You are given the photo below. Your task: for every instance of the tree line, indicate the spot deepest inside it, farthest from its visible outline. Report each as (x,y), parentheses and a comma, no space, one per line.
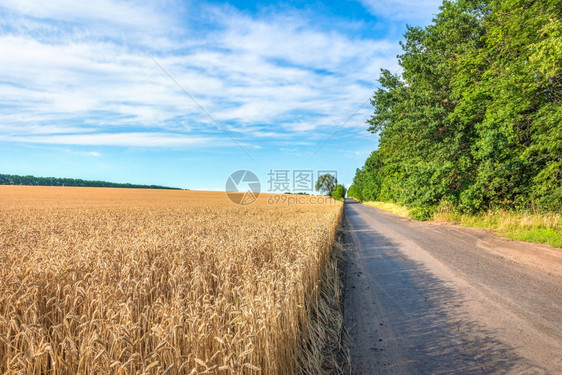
(6,179)
(474,119)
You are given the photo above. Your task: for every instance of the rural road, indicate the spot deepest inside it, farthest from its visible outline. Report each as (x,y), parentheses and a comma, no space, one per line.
(428,298)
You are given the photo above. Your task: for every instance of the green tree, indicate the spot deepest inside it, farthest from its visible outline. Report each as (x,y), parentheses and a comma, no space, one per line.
(353,192)
(326,183)
(475,117)
(426,152)
(339,192)
(519,144)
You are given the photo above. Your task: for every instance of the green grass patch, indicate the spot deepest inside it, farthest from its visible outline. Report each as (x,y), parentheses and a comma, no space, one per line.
(548,236)
(390,207)
(523,226)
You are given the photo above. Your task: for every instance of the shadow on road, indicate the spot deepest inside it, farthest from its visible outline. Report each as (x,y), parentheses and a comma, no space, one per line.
(401,319)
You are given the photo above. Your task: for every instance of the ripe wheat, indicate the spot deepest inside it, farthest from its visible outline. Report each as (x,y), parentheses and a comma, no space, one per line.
(151,282)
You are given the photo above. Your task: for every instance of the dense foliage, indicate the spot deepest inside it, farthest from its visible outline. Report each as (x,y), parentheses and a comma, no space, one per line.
(7,179)
(474,121)
(339,192)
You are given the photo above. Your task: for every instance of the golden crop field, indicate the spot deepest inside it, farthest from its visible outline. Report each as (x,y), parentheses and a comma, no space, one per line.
(126,281)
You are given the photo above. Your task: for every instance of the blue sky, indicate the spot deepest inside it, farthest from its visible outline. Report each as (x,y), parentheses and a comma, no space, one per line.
(82,97)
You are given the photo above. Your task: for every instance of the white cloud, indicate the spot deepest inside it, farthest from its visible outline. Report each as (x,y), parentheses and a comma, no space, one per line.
(39,146)
(94,154)
(411,11)
(132,15)
(94,83)
(115,139)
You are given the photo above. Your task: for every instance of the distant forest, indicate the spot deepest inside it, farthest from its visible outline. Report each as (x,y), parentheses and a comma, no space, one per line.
(6,179)
(474,119)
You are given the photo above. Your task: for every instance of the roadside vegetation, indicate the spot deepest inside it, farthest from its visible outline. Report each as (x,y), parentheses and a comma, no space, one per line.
(339,192)
(523,226)
(470,131)
(394,208)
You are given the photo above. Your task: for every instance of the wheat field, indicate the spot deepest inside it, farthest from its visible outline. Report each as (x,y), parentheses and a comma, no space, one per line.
(126,281)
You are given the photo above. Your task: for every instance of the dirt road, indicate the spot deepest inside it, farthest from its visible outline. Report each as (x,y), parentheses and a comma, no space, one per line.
(426,298)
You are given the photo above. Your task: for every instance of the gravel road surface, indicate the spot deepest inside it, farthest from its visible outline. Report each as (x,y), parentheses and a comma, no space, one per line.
(428,298)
